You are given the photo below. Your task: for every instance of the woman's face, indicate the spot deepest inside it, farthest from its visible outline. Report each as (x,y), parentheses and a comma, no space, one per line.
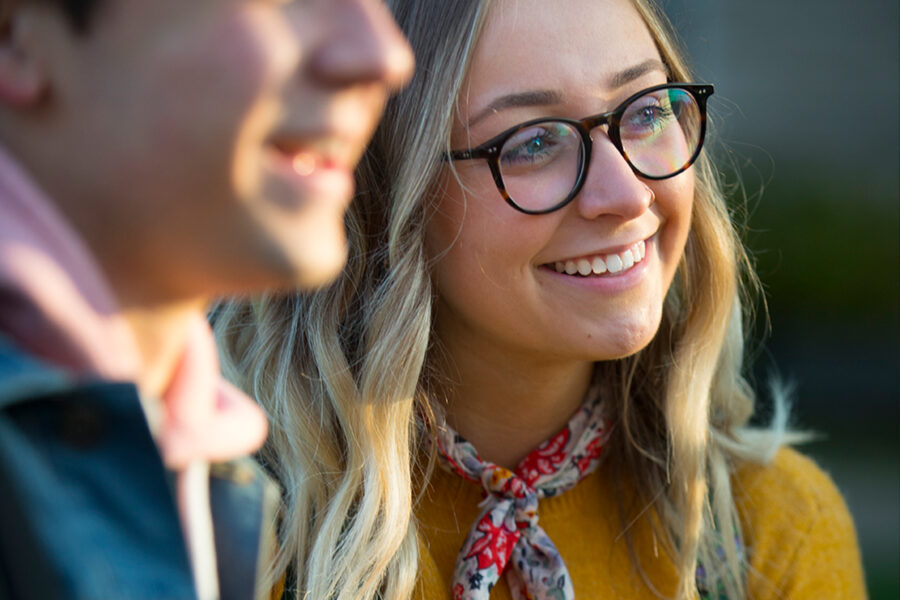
(496,269)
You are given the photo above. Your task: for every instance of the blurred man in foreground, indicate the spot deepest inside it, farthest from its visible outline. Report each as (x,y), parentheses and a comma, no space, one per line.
(155,154)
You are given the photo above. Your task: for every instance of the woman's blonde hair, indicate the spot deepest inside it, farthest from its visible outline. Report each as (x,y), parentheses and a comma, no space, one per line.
(344,372)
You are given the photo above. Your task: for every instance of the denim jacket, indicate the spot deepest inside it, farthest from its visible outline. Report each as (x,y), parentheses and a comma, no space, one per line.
(87,508)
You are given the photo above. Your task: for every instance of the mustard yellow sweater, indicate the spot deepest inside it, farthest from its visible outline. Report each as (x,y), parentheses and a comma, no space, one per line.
(798,535)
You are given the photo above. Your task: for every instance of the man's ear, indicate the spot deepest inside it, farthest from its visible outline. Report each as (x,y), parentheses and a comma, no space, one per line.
(23,79)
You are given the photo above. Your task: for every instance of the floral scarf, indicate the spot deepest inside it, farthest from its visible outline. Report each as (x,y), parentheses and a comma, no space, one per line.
(507,530)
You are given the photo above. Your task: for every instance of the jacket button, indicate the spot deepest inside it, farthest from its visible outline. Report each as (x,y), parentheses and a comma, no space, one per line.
(81,426)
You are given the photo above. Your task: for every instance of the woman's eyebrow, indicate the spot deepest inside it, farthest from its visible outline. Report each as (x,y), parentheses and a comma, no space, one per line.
(628,75)
(529,98)
(551,97)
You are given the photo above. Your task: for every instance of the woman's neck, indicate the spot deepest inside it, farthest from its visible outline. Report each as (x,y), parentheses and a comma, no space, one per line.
(507,406)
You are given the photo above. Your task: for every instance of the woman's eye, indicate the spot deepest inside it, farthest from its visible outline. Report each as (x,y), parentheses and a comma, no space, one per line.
(646,119)
(530,146)
(651,114)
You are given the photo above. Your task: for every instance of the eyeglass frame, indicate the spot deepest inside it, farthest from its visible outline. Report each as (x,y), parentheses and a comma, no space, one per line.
(490,150)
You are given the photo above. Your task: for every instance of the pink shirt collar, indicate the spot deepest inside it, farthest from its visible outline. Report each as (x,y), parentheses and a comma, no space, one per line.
(54,300)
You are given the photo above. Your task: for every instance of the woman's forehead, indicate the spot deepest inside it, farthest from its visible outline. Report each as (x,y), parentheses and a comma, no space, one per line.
(570,48)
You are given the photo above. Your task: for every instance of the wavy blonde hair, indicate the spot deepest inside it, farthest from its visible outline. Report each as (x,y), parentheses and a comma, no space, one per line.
(344,372)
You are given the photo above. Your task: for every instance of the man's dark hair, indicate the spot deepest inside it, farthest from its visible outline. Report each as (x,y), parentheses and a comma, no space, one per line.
(79,12)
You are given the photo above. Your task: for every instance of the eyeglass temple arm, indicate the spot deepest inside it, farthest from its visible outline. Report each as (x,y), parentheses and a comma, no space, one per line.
(457,155)
(470,153)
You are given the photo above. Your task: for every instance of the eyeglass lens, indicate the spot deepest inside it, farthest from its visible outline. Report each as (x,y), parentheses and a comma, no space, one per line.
(659,132)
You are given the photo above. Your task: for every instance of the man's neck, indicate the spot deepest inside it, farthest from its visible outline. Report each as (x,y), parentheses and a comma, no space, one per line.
(160,332)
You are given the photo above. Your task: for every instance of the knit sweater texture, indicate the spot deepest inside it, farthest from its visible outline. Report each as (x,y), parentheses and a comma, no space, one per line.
(799,537)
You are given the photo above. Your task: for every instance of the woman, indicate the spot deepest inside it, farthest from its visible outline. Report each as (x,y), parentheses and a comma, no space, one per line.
(549,306)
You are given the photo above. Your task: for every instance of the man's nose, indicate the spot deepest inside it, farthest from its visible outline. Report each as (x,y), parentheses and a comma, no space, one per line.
(364,45)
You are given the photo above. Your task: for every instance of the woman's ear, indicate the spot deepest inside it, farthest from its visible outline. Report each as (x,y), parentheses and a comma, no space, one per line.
(23,78)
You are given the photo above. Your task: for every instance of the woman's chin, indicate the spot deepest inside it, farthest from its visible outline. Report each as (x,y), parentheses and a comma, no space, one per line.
(625,341)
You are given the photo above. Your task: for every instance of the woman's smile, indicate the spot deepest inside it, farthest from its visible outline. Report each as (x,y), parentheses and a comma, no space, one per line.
(607,273)
(607,263)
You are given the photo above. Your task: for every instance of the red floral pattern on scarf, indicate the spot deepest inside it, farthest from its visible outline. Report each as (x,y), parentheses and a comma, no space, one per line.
(545,459)
(592,452)
(494,546)
(507,531)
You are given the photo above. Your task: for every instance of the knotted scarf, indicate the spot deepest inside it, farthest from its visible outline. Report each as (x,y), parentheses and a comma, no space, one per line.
(507,530)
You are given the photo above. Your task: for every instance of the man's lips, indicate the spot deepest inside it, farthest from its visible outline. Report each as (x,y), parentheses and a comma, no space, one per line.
(315,174)
(307,163)
(307,156)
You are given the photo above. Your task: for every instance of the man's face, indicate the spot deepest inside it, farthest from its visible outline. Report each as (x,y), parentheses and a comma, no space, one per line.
(208,145)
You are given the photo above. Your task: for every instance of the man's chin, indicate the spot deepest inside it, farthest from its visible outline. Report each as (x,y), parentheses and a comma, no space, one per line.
(301,256)
(319,267)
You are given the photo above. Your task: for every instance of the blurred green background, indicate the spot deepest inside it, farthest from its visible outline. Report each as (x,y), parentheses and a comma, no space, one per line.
(807,112)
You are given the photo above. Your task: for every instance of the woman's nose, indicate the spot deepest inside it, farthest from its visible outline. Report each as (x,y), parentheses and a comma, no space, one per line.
(611,187)
(361,43)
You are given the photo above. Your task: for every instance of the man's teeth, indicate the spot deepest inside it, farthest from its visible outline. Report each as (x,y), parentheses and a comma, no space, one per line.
(598,265)
(304,163)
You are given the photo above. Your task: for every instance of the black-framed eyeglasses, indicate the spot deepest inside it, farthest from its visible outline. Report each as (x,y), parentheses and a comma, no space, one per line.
(539,166)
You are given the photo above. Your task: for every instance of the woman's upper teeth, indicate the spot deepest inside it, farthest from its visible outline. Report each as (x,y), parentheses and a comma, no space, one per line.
(603,263)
